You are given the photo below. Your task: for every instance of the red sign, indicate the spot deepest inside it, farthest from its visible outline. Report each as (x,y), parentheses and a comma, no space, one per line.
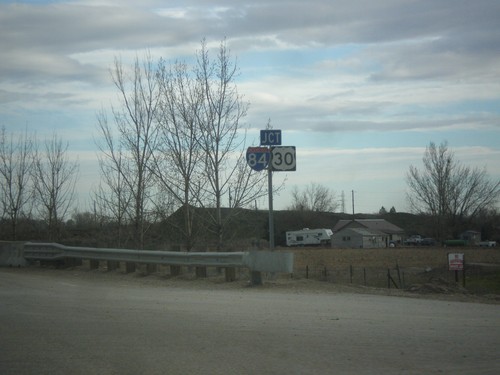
(455,261)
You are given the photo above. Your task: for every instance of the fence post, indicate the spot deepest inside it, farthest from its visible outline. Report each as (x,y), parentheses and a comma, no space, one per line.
(399,272)
(389,279)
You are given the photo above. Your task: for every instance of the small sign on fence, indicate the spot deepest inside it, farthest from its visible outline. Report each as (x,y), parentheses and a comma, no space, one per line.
(456,261)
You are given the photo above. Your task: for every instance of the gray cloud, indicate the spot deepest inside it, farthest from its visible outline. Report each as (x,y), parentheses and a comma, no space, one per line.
(53,32)
(403,41)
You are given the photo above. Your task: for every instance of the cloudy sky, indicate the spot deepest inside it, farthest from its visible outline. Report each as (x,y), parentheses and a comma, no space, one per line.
(359,87)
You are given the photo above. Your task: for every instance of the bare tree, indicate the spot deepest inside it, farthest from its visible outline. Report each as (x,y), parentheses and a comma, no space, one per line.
(112,198)
(179,131)
(314,197)
(448,191)
(222,137)
(137,132)
(16,162)
(178,162)
(54,177)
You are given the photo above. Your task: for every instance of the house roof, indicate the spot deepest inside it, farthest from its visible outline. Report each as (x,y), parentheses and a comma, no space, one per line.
(376,224)
(361,231)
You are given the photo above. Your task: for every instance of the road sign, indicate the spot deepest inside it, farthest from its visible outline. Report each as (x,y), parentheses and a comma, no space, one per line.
(283,158)
(270,137)
(455,261)
(258,158)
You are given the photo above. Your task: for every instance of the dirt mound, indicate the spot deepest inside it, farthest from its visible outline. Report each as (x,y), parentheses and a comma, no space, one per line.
(437,285)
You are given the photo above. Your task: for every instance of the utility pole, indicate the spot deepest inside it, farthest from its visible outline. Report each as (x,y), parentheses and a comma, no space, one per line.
(352,204)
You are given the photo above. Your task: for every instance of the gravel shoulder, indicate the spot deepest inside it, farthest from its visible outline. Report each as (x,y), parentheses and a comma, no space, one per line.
(82,321)
(434,290)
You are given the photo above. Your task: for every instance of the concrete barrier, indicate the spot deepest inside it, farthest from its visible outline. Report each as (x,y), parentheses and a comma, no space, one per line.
(12,254)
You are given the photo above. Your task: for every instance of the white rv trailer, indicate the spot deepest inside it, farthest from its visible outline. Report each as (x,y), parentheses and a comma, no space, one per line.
(308,237)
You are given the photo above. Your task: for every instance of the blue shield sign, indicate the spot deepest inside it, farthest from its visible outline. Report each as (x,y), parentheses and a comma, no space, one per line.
(270,137)
(258,158)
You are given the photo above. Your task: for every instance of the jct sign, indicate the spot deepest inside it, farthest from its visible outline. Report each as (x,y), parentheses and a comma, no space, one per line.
(270,137)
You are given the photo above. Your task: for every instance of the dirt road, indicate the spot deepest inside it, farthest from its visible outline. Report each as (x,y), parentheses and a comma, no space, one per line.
(66,322)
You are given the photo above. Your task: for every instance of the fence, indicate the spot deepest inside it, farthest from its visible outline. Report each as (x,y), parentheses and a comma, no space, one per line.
(389,267)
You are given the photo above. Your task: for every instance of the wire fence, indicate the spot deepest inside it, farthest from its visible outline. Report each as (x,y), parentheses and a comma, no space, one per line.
(481,278)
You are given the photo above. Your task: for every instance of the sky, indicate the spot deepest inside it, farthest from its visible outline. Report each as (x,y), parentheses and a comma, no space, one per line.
(359,87)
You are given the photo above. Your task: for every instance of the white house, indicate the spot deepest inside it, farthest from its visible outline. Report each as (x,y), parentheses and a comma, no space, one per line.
(359,238)
(366,233)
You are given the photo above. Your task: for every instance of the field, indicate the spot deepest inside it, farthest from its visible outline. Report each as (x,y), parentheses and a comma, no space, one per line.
(406,266)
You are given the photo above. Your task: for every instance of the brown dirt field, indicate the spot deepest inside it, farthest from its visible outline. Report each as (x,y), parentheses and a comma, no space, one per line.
(420,269)
(433,257)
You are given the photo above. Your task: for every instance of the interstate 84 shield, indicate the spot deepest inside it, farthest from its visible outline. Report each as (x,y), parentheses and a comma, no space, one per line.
(258,158)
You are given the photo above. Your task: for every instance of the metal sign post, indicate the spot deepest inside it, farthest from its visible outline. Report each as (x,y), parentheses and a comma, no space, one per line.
(275,158)
(456,262)
(271,216)
(272,156)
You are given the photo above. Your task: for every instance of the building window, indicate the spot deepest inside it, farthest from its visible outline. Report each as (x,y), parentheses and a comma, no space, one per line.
(346,238)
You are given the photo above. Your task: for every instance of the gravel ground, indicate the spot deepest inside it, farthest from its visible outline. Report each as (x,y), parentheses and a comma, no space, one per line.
(96,322)
(435,289)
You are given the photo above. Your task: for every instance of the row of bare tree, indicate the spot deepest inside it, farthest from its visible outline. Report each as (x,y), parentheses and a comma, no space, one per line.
(175,140)
(36,179)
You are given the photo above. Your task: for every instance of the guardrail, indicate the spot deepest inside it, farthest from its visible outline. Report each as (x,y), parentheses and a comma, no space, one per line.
(255,261)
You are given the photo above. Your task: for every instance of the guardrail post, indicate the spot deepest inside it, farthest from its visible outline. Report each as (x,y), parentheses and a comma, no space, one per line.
(256,278)
(201,272)
(230,273)
(70,262)
(151,268)
(175,270)
(112,265)
(94,264)
(129,267)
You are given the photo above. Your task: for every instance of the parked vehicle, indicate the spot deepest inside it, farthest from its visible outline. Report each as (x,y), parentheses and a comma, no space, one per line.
(413,240)
(488,243)
(309,237)
(428,242)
